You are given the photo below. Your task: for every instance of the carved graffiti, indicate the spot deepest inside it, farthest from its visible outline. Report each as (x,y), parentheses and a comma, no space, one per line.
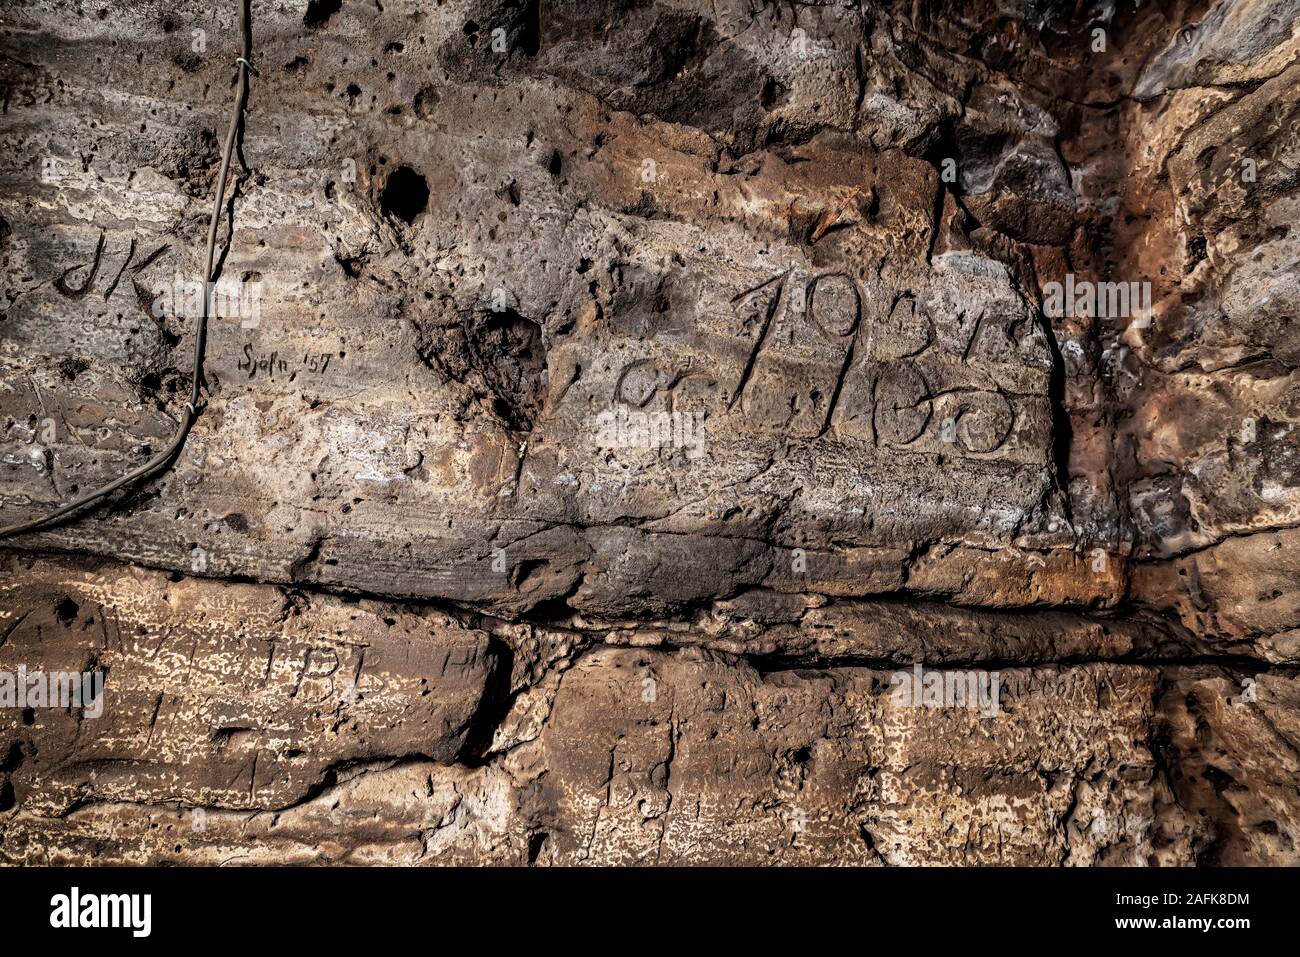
(879,368)
(903,404)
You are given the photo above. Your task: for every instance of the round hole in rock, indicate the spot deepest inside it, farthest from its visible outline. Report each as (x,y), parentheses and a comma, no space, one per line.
(405,194)
(319,12)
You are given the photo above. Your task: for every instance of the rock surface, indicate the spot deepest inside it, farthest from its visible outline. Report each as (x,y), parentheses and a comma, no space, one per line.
(608,408)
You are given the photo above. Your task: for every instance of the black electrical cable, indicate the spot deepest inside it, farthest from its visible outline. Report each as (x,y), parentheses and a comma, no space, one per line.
(163,460)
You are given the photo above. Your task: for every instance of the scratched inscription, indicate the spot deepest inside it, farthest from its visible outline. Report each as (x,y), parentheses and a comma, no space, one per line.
(826,354)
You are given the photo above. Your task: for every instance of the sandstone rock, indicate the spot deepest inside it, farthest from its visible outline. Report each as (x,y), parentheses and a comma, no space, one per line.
(229,695)
(605,402)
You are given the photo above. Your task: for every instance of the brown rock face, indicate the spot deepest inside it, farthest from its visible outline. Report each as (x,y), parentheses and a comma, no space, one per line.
(654,433)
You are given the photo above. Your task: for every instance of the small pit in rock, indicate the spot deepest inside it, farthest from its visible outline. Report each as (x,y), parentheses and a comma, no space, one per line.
(405,195)
(319,12)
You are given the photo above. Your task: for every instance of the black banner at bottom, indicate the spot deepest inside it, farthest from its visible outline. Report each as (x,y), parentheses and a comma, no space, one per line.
(324,907)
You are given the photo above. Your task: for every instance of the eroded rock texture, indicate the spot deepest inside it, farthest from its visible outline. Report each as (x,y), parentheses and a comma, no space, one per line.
(615,398)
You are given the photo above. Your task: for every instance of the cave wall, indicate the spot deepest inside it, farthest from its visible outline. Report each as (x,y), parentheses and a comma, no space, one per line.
(416,590)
